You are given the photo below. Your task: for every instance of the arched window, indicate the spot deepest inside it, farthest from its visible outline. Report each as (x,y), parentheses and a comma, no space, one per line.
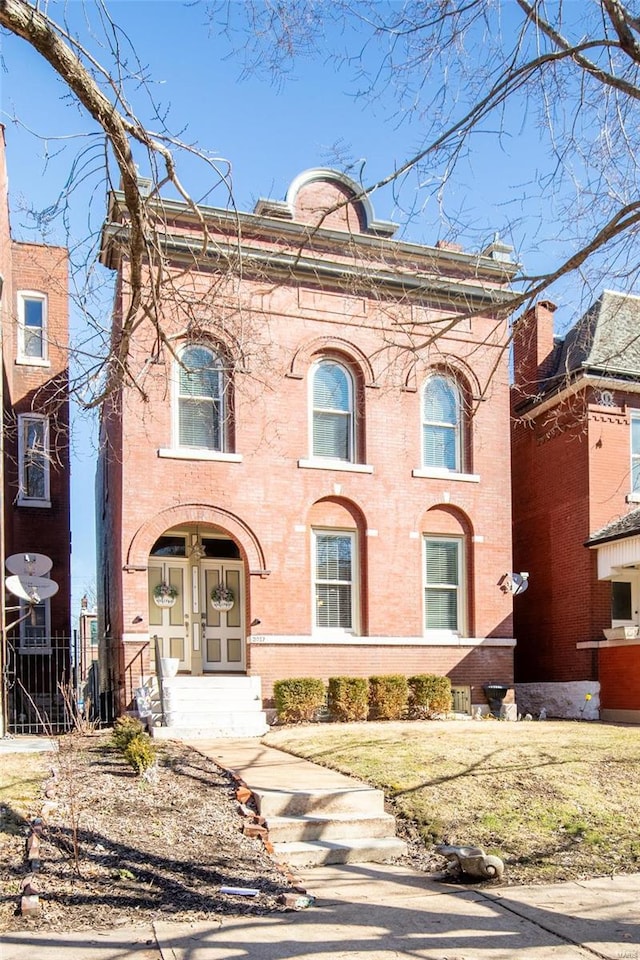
(333,421)
(201,399)
(441,424)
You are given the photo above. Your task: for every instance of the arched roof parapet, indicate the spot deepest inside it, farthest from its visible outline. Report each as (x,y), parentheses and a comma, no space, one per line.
(304,355)
(198,513)
(355,192)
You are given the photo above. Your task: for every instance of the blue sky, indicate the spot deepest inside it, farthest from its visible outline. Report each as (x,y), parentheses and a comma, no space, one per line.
(267,131)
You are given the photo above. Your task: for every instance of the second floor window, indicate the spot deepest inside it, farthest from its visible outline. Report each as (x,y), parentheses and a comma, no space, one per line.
(32,323)
(201,400)
(441,440)
(333,422)
(635,453)
(33,459)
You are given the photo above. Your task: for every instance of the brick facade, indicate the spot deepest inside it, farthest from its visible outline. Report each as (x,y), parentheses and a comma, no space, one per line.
(315,285)
(37,387)
(571,463)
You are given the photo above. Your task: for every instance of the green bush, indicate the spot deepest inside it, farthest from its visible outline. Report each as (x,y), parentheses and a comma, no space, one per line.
(388,697)
(298,698)
(429,695)
(348,698)
(124,730)
(140,753)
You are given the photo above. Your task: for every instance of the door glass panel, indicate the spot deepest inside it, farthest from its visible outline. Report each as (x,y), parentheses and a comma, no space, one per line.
(176,612)
(212,578)
(233,582)
(234,650)
(213,650)
(155,613)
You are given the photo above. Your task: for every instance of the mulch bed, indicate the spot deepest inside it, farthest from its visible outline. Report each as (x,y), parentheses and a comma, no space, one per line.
(148,849)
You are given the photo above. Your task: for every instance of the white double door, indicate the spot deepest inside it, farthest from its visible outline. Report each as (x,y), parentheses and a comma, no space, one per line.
(191,630)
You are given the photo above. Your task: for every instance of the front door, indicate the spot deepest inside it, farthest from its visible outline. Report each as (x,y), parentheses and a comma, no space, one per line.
(169,618)
(223,636)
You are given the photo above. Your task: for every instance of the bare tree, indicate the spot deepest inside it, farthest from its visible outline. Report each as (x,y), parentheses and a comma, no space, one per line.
(462,71)
(118,137)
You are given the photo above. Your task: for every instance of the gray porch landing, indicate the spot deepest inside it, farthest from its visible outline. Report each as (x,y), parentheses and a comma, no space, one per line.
(216,706)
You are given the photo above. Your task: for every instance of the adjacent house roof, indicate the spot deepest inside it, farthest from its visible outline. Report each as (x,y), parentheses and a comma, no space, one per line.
(627,526)
(606,338)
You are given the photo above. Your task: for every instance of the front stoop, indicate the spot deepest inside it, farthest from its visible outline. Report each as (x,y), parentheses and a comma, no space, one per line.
(206,707)
(324,826)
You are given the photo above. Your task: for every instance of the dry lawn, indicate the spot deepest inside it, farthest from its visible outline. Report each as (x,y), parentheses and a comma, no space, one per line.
(556,800)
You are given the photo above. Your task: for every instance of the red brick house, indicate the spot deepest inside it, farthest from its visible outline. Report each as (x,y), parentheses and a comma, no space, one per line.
(35,467)
(576,478)
(325,432)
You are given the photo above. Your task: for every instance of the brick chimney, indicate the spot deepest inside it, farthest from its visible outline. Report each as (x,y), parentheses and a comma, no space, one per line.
(533,348)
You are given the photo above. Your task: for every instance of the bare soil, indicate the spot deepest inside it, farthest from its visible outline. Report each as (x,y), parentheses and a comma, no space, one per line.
(147,849)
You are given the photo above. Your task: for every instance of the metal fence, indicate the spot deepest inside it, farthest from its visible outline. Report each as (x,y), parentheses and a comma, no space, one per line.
(36,674)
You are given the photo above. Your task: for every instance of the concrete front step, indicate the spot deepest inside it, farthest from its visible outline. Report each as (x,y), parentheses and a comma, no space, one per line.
(365,801)
(222,727)
(335,827)
(356,850)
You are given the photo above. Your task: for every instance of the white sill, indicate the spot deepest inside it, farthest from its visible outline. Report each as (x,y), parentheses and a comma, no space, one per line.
(32,362)
(185,453)
(317,463)
(40,504)
(431,473)
(633,497)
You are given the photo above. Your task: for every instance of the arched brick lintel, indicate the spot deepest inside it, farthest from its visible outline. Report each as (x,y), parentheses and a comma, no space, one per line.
(188,513)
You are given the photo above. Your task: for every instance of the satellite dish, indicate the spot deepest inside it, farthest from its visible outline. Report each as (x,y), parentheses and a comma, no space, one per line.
(28,564)
(31,589)
(519,583)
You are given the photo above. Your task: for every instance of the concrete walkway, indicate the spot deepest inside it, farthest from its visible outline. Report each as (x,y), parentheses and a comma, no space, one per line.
(374,911)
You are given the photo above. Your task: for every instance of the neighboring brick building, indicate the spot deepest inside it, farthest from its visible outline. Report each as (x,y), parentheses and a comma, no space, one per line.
(576,471)
(35,463)
(348,482)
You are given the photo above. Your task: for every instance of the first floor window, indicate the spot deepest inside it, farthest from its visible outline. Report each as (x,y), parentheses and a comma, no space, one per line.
(334,564)
(443,583)
(34,627)
(33,455)
(32,311)
(621,602)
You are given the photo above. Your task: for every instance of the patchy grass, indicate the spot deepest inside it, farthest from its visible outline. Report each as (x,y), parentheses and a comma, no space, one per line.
(556,800)
(21,782)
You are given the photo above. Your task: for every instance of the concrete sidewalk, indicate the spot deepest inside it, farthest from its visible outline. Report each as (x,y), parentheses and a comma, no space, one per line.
(373,911)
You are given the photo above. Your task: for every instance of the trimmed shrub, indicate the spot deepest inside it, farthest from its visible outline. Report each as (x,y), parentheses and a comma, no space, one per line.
(348,698)
(429,695)
(124,730)
(388,697)
(298,698)
(140,753)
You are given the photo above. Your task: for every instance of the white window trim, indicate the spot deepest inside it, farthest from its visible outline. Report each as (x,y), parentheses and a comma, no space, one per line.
(459,446)
(198,453)
(327,633)
(22,358)
(631,578)
(634,494)
(23,500)
(461,593)
(34,648)
(313,459)
(177,450)
(440,473)
(320,463)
